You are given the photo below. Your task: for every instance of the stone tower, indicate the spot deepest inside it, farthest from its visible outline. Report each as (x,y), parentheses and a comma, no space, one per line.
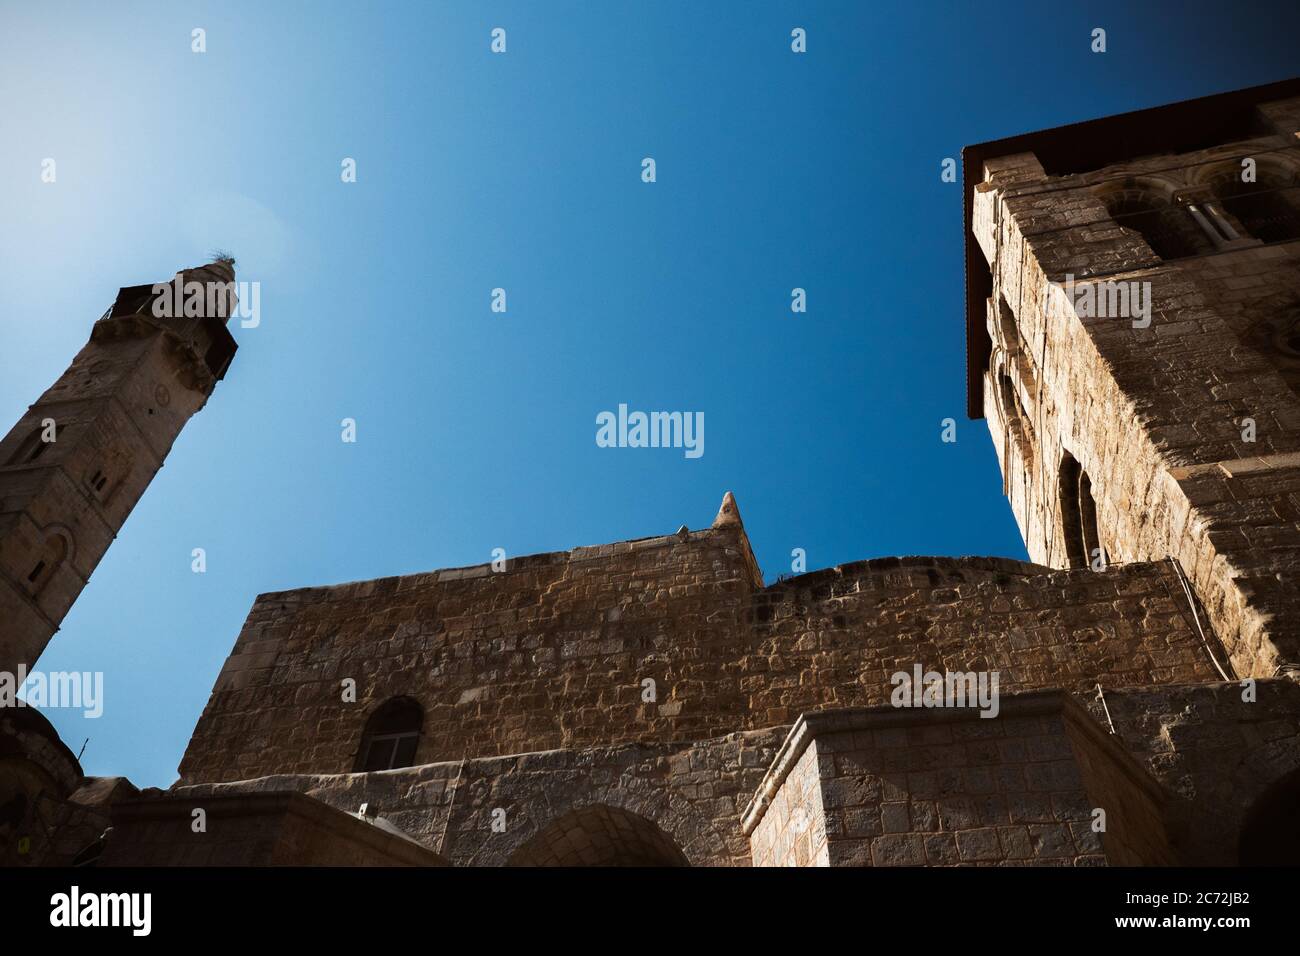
(1133,333)
(76,463)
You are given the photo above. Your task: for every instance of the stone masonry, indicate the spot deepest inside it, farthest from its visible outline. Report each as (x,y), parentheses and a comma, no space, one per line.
(553,651)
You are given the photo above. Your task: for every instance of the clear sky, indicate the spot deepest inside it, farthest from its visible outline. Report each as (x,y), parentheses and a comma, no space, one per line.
(476,430)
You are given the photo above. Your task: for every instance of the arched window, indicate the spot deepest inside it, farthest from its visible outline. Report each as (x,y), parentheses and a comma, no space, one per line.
(1019,429)
(104,477)
(1169,230)
(391,736)
(1267,209)
(1012,408)
(1270,835)
(1007,326)
(1079,524)
(34,445)
(52,554)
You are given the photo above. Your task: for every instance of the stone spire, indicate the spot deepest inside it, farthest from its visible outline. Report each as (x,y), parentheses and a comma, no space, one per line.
(728,514)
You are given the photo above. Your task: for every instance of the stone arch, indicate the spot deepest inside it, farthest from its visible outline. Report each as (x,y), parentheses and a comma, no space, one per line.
(1019,429)
(1148,206)
(105,474)
(1078,509)
(599,835)
(54,551)
(32,447)
(537,790)
(1276,167)
(1265,210)
(1234,797)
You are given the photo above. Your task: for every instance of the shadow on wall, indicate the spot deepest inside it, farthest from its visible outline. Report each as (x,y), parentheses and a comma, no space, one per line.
(1270,835)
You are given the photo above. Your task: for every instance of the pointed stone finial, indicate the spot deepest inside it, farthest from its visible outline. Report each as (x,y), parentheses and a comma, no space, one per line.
(683,532)
(728,514)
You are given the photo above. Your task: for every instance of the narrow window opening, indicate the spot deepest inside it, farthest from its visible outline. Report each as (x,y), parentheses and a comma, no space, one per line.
(1094,553)
(54,552)
(33,446)
(1080,526)
(391,736)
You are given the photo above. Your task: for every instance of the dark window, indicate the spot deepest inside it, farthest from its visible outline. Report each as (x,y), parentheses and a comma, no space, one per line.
(1088,521)
(391,736)
(1015,411)
(33,447)
(1265,209)
(1270,835)
(1078,515)
(1169,230)
(52,555)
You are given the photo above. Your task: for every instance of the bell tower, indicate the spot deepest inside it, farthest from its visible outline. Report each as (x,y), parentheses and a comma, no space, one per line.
(1133,339)
(79,459)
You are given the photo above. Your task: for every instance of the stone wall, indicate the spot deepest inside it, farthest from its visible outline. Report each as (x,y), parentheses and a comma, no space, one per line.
(554,652)
(947,787)
(1178,779)
(685,798)
(793,825)
(252,829)
(1216,751)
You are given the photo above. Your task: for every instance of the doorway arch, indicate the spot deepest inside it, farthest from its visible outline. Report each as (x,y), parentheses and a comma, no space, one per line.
(599,835)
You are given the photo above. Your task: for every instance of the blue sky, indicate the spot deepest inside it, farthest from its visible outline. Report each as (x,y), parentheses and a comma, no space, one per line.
(476,430)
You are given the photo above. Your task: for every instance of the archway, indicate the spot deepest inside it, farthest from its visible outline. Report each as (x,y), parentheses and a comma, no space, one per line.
(599,835)
(1168,229)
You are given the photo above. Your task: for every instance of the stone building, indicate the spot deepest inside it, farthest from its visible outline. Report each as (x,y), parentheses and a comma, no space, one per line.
(1133,332)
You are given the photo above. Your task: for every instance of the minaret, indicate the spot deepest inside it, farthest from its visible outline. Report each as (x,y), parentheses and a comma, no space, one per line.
(76,463)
